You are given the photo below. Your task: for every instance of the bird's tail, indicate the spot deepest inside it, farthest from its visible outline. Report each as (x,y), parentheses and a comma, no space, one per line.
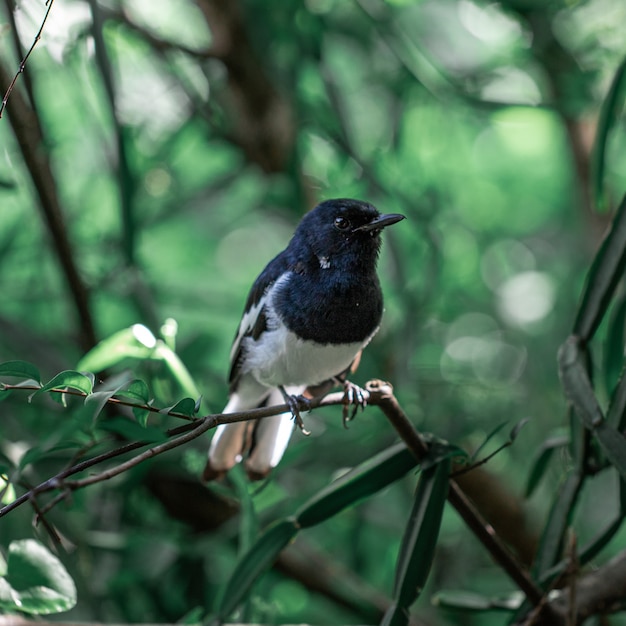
(264,441)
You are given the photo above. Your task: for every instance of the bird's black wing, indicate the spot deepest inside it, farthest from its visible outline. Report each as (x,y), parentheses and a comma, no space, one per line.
(254,320)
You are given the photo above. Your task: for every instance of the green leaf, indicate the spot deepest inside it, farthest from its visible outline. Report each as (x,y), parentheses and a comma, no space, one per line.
(558,521)
(136,342)
(36,581)
(7,491)
(95,402)
(488,438)
(580,393)
(20,369)
(34,454)
(517,429)
(258,559)
(599,542)
(616,413)
(606,271)
(613,348)
(186,406)
(135,390)
(613,445)
(70,379)
(609,115)
(360,482)
(542,460)
(576,383)
(420,538)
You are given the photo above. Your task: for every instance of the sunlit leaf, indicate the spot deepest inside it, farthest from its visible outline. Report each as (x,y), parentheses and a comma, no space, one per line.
(256,561)
(169,330)
(7,491)
(70,379)
(36,581)
(20,369)
(360,482)
(125,344)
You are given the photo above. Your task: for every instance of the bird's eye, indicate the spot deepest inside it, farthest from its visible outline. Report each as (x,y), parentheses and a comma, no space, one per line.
(342,223)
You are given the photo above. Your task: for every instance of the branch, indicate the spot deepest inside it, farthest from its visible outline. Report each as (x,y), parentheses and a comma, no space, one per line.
(181,435)
(22,66)
(29,135)
(597,593)
(464,507)
(261,119)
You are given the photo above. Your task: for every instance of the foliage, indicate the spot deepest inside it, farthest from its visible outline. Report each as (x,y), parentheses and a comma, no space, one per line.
(156,155)
(34,581)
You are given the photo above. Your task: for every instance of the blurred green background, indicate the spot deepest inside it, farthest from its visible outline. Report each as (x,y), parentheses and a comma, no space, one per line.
(155,155)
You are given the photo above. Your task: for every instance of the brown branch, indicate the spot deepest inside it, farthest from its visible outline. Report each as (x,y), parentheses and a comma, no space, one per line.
(182,434)
(29,135)
(261,119)
(321,573)
(464,507)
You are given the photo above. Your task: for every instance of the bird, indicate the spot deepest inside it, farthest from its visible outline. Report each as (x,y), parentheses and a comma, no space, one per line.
(308,316)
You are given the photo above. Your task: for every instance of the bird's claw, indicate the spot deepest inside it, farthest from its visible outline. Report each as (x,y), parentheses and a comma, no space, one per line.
(352,395)
(294,402)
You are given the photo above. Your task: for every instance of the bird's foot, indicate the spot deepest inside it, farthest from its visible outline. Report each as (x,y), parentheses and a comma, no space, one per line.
(352,395)
(294,403)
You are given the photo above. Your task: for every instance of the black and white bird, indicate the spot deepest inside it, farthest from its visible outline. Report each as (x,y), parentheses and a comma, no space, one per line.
(308,316)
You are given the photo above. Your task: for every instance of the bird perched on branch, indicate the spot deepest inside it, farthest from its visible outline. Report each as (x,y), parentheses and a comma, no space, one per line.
(308,316)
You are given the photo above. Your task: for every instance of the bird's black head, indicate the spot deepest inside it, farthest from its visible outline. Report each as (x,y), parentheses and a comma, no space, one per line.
(342,230)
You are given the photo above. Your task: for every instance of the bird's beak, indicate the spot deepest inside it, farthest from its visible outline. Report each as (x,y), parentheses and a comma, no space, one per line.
(381,222)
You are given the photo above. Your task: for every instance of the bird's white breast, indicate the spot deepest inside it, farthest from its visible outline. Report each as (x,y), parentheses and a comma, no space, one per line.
(281,358)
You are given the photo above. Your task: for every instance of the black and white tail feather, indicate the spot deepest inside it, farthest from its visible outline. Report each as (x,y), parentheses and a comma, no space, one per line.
(308,316)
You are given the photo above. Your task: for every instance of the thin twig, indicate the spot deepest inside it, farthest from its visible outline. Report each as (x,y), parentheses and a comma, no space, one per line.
(483,461)
(113,400)
(183,434)
(22,66)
